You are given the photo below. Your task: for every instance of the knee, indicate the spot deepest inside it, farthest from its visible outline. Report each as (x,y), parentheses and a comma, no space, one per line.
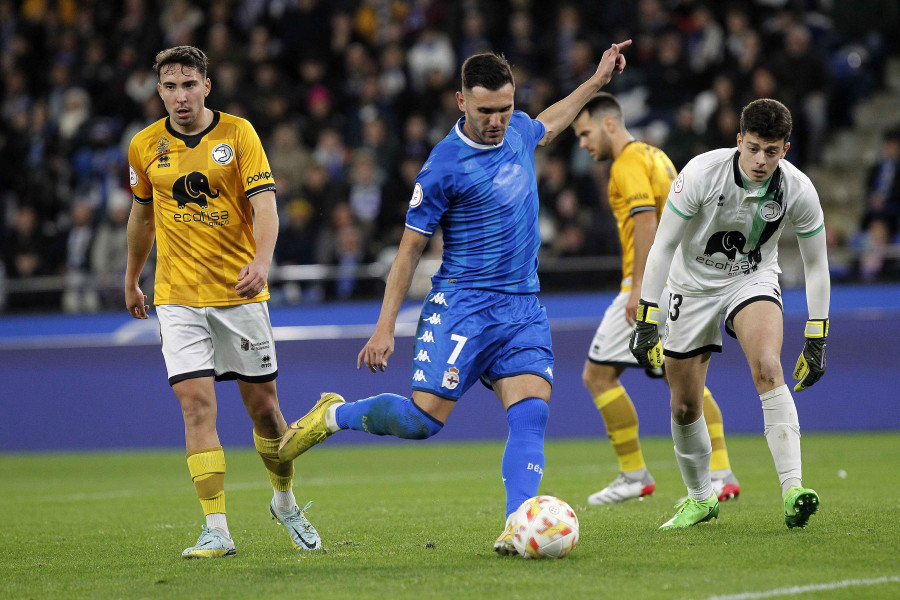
(767,372)
(198,412)
(684,410)
(264,409)
(598,379)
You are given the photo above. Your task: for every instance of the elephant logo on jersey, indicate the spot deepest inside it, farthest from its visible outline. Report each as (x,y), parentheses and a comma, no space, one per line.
(193,188)
(728,243)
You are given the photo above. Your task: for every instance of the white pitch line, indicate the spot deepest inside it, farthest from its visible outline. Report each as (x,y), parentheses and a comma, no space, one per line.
(802,589)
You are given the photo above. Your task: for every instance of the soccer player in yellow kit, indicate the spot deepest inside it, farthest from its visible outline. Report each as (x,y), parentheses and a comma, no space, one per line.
(203,189)
(639,181)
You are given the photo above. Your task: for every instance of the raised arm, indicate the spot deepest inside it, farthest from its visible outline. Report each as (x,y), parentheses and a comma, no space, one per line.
(380,346)
(561,114)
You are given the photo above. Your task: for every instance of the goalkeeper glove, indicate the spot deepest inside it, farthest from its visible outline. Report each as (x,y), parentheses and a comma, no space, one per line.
(811,364)
(645,343)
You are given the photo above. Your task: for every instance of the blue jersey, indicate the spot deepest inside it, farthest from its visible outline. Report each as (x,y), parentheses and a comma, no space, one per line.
(484,197)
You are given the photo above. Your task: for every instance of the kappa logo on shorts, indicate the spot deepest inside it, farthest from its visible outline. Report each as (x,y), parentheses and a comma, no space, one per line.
(438,298)
(549,371)
(451,378)
(423,356)
(427,337)
(434,319)
(419,376)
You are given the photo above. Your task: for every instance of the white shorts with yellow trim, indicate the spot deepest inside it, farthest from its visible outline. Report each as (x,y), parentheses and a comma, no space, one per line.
(225,342)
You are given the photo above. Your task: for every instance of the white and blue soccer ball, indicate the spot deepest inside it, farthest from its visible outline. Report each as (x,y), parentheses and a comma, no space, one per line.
(544,527)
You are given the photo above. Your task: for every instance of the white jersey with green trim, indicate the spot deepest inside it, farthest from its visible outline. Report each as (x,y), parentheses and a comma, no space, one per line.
(734,224)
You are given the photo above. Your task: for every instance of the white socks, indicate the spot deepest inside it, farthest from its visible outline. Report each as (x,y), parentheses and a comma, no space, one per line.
(218,521)
(783,435)
(285,500)
(693,451)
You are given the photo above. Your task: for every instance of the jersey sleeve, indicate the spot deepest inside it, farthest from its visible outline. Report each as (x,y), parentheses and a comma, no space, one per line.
(255,171)
(429,200)
(141,188)
(685,196)
(532,130)
(629,175)
(806,213)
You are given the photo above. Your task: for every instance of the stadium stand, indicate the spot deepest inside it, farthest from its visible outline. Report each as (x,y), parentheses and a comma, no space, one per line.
(349,97)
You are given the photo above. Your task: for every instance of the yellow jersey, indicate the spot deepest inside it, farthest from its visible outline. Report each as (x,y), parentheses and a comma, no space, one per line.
(200,187)
(639,180)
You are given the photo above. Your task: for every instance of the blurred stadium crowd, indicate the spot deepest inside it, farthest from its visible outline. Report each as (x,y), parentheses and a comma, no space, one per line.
(349,96)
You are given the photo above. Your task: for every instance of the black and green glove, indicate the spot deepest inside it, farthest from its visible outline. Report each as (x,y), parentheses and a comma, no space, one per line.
(645,343)
(811,364)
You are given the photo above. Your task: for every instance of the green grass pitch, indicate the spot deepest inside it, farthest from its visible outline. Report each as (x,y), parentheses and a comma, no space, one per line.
(417,520)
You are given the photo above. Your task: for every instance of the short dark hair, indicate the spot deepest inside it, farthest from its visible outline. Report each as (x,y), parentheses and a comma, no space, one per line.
(186,56)
(605,104)
(767,118)
(487,70)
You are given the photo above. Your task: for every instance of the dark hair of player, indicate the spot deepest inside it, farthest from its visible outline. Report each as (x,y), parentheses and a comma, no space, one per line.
(488,70)
(186,56)
(605,105)
(769,119)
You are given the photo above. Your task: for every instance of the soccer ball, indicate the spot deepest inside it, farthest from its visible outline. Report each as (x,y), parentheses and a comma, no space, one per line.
(544,527)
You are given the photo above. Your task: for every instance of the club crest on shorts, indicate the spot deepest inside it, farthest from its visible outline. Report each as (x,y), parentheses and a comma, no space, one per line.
(451,378)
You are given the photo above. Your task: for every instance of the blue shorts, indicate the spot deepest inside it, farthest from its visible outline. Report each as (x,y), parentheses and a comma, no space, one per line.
(466,334)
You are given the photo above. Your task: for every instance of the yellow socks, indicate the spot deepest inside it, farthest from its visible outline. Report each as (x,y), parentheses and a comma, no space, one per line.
(280,474)
(719,460)
(621,423)
(207,467)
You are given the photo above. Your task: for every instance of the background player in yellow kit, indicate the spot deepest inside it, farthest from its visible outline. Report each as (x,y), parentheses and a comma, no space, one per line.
(640,177)
(203,189)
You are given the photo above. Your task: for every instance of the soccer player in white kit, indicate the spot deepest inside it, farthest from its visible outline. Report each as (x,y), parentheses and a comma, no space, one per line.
(727,210)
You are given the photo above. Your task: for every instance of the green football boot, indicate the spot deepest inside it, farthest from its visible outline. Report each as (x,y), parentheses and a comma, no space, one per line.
(309,430)
(691,511)
(800,504)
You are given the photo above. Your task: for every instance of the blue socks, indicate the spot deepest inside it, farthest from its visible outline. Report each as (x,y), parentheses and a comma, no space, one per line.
(387,414)
(523,459)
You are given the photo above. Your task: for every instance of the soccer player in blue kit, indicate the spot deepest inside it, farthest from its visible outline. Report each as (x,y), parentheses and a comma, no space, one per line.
(481,319)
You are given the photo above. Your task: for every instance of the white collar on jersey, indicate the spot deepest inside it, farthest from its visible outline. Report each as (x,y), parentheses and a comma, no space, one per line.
(470,142)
